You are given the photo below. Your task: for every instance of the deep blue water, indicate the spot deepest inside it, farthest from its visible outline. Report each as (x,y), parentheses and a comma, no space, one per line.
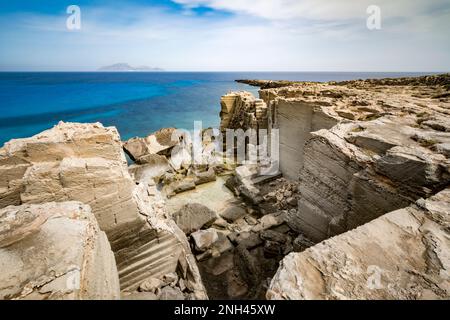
(136,103)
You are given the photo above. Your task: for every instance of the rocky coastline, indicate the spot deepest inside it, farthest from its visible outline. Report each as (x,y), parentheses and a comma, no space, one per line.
(357,208)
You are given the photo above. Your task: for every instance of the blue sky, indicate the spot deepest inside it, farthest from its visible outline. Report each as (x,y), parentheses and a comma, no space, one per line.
(226,35)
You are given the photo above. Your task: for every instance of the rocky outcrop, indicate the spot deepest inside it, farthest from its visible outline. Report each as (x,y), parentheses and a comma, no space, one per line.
(401,255)
(55,251)
(193,217)
(360,149)
(79,162)
(241,110)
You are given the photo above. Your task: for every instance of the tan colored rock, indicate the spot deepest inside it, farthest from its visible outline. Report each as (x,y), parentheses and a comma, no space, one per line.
(85,162)
(55,251)
(159,142)
(204,239)
(193,217)
(401,255)
(154,168)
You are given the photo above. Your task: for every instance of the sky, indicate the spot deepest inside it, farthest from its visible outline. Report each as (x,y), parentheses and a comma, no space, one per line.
(226,35)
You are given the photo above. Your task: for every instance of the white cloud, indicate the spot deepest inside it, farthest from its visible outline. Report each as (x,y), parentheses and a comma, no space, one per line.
(284,35)
(314,9)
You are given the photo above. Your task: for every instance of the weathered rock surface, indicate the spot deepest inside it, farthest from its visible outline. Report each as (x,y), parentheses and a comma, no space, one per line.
(193,217)
(160,142)
(86,163)
(401,255)
(361,148)
(204,239)
(55,251)
(71,162)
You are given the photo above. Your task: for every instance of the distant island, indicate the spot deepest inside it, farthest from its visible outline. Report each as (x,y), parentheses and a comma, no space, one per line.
(127,67)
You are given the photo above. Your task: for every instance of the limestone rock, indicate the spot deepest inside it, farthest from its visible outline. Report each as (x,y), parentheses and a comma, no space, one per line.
(151,285)
(204,177)
(204,239)
(159,142)
(270,220)
(170,293)
(401,255)
(193,216)
(55,251)
(233,213)
(154,168)
(71,162)
(85,162)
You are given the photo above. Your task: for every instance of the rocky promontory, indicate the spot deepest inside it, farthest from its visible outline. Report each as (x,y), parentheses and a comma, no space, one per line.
(350,201)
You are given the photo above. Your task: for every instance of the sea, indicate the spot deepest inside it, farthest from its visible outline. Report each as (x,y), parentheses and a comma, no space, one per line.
(137,103)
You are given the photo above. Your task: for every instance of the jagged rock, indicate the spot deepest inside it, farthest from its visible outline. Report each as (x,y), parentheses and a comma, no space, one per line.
(204,177)
(159,142)
(301,243)
(204,239)
(154,168)
(147,296)
(220,223)
(151,285)
(170,279)
(171,293)
(241,110)
(248,240)
(233,213)
(180,186)
(80,162)
(223,244)
(270,220)
(401,255)
(55,251)
(274,236)
(362,148)
(193,216)
(180,158)
(85,162)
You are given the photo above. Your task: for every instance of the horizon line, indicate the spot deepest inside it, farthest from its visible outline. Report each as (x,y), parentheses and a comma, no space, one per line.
(222,71)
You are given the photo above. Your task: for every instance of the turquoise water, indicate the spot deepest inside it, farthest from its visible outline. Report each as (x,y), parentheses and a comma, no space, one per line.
(136,103)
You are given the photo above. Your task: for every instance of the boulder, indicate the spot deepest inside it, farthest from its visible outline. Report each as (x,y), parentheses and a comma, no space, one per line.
(248,240)
(270,220)
(159,142)
(233,213)
(401,255)
(152,285)
(204,176)
(55,251)
(153,169)
(86,163)
(274,236)
(301,243)
(204,239)
(193,216)
(146,296)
